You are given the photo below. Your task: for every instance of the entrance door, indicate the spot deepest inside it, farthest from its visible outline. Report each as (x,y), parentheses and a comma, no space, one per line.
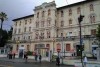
(42,52)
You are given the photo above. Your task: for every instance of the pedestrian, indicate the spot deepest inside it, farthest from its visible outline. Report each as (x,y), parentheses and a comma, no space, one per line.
(85,60)
(14,56)
(57,61)
(24,55)
(40,57)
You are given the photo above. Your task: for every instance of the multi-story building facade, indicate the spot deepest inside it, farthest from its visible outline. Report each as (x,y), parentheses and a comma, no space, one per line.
(52,28)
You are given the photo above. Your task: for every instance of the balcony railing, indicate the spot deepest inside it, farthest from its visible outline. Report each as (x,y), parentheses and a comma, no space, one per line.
(68,38)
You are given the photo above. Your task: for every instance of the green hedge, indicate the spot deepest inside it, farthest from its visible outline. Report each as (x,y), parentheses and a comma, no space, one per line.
(29,53)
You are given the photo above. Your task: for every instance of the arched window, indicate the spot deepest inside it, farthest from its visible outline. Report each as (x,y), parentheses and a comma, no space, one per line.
(43,14)
(37,35)
(37,24)
(25,22)
(70,12)
(78,10)
(91,7)
(49,12)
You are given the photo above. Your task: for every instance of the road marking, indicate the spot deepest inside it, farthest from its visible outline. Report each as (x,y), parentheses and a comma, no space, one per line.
(6,65)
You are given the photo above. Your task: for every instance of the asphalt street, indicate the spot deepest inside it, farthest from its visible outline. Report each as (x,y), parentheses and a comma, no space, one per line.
(17,64)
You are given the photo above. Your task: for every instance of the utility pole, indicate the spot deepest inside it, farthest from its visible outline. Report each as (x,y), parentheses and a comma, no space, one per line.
(80,19)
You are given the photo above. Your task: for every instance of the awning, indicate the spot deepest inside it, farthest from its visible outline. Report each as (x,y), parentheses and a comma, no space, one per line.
(95,46)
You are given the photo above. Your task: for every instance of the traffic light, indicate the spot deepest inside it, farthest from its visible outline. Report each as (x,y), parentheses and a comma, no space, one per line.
(82,47)
(80,18)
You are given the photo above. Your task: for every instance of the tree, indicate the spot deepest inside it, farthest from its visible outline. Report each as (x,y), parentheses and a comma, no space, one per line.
(3,16)
(98,34)
(10,33)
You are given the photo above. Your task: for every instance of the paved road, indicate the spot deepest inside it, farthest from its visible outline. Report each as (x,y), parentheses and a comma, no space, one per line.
(5,63)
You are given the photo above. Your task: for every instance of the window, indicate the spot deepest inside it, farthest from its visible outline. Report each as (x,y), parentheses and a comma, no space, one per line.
(15,31)
(91,7)
(20,23)
(61,34)
(48,34)
(70,21)
(42,35)
(67,47)
(25,29)
(78,10)
(93,31)
(35,47)
(36,36)
(24,37)
(43,14)
(42,24)
(30,21)
(28,47)
(19,31)
(38,15)
(16,24)
(18,38)
(70,33)
(29,28)
(58,46)
(62,14)
(48,22)
(49,12)
(28,37)
(92,18)
(25,22)
(70,12)
(62,23)
(37,24)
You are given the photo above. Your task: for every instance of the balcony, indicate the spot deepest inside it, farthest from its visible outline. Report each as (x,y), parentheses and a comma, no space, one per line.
(68,38)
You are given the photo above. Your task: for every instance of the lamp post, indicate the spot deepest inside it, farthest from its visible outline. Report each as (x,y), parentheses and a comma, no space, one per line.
(80,19)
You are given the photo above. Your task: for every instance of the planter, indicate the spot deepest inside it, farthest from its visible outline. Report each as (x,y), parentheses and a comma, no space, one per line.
(98,54)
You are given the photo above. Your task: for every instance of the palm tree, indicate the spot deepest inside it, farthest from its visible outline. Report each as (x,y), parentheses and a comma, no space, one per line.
(3,16)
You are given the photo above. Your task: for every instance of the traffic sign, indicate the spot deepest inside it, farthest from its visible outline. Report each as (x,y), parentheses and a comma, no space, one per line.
(58,50)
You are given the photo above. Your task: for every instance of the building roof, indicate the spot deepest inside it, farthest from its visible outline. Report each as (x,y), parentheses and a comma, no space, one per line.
(74,4)
(23,17)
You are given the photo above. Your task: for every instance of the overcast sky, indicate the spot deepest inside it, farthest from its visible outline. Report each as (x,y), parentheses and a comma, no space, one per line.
(19,8)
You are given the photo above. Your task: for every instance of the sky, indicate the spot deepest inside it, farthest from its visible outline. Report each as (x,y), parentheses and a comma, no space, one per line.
(19,8)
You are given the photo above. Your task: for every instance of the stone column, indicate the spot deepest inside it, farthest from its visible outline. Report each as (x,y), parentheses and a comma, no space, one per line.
(98,54)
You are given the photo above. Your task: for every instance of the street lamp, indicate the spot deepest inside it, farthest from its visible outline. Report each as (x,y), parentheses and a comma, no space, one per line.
(80,19)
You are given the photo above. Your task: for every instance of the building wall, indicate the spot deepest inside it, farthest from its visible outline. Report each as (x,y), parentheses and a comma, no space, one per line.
(55,28)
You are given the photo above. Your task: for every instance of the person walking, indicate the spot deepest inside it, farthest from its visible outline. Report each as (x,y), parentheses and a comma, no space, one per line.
(57,61)
(85,60)
(40,57)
